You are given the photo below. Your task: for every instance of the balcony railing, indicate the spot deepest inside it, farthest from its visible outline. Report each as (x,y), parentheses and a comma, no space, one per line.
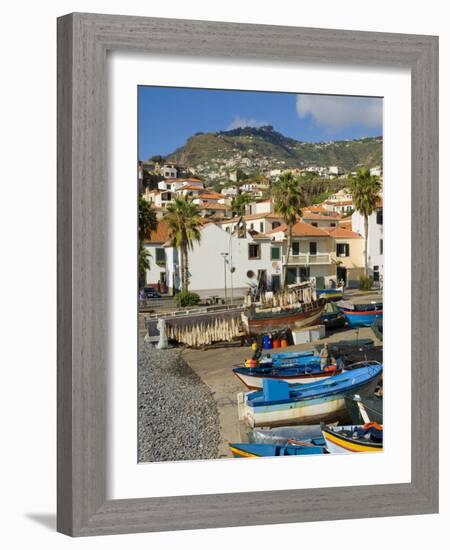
(309,259)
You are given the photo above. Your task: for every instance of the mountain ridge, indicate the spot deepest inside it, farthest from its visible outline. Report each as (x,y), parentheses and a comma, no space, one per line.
(265,147)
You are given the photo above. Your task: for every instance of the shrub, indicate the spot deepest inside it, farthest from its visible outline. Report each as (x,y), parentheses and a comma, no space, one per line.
(365,283)
(186,298)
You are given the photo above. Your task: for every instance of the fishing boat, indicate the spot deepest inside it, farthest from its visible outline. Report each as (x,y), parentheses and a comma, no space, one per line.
(255,450)
(353,439)
(284,434)
(281,404)
(301,374)
(333,319)
(331,294)
(297,307)
(290,358)
(343,345)
(361,315)
(377,328)
(372,404)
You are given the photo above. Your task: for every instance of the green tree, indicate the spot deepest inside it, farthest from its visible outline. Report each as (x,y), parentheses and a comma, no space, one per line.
(365,190)
(239,202)
(288,202)
(147,223)
(157,158)
(241,175)
(184,220)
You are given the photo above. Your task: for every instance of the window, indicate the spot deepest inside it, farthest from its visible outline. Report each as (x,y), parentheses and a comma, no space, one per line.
(275,253)
(315,224)
(332,224)
(304,274)
(252,226)
(261,227)
(160,256)
(376,273)
(275,225)
(254,251)
(295,248)
(381,246)
(291,275)
(313,248)
(342,249)
(380,216)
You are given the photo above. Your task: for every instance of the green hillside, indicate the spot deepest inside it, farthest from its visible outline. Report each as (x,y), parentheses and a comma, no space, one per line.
(265,144)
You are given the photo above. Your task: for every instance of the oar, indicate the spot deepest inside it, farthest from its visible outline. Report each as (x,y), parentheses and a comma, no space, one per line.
(362,409)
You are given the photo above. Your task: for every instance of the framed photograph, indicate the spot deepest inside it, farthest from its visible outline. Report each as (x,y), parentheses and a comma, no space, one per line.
(247,268)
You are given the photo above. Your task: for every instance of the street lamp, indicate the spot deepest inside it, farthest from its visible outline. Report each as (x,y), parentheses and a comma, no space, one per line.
(225,256)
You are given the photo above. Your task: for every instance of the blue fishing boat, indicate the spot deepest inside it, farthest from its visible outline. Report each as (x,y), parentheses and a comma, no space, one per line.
(281,404)
(301,357)
(254,450)
(361,315)
(297,374)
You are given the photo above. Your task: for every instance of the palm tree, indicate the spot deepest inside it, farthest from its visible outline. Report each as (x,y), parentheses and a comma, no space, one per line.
(144,263)
(288,202)
(239,202)
(184,220)
(147,224)
(147,219)
(365,190)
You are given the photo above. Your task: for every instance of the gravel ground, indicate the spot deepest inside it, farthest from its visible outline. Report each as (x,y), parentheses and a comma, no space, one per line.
(178,417)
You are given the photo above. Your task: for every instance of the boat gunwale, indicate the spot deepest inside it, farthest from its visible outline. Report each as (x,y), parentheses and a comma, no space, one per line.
(343,391)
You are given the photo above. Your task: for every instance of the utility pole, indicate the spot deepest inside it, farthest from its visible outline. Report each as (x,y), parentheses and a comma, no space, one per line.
(224,256)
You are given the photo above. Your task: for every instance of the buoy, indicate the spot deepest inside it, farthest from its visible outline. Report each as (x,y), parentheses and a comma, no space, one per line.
(284,343)
(276,343)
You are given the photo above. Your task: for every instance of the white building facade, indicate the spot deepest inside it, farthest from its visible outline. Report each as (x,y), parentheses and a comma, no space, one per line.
(375,241)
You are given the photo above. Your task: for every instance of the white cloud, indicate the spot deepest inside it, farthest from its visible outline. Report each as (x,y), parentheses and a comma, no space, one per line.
(338,112)
(239,122)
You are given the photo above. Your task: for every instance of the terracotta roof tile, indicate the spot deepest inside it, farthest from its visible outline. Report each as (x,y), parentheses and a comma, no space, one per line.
(301,229)
(324,217)
(160,234)
(342,233)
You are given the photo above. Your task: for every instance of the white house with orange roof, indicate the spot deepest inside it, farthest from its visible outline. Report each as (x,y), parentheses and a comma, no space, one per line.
(312,254)
(375,259)
(341,202)
(259,207)
(238,260)
(156,275)
(322,218)
(255,222)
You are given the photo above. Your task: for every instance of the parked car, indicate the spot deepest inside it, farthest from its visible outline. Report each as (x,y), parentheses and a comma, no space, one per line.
(150,292)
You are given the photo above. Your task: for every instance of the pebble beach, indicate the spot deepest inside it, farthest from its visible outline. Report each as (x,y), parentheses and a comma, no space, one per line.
(177,413)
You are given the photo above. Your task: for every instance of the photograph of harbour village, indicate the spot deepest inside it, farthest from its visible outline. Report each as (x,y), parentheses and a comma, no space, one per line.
(260,268)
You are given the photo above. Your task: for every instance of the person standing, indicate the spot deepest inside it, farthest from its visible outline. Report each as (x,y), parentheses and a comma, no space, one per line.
(324,357)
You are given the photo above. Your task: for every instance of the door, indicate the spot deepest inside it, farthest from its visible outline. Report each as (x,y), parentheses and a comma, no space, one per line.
(341,275)
(313,248)
(304,274)
(276,283)
(262,280)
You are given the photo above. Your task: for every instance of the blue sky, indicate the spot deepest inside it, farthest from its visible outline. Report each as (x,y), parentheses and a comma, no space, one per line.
(168,116)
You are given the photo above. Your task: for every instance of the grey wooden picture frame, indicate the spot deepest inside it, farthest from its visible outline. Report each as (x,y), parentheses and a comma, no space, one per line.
(83,42)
